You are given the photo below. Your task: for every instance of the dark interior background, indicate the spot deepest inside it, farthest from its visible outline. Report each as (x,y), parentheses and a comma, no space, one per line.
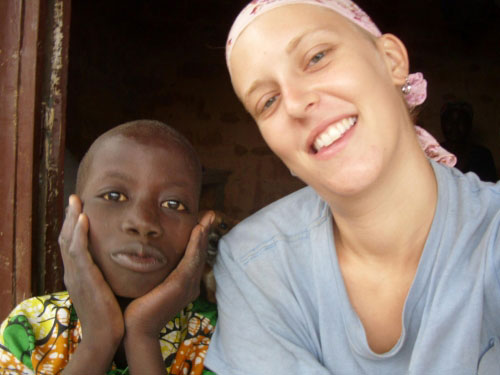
(164,60)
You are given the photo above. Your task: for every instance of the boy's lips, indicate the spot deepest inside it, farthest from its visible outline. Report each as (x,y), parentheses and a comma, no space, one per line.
(139,257)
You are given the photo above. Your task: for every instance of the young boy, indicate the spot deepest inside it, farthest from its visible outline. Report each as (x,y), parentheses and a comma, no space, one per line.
(133,257)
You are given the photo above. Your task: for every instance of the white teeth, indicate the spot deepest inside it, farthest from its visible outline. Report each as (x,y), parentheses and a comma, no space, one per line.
(334,132)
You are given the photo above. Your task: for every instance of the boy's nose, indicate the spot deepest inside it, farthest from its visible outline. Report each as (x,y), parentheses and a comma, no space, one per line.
(142,220)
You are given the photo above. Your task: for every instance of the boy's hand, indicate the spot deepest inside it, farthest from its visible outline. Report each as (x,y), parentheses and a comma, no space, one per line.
(97,308)
(151,312)
(147,315)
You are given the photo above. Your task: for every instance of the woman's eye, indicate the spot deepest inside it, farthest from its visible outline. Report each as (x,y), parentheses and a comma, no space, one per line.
(316,58)
(115,196)
(269,102)
(174,205)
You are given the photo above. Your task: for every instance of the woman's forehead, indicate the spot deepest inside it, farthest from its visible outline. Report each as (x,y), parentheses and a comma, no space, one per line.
(276,35)
(346,8)
(289,23)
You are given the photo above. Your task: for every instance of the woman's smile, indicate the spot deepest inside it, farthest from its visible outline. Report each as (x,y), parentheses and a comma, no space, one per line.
(332,133)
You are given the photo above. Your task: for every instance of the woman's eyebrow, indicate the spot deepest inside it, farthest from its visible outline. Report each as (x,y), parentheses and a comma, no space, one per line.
(296,41)
(290,47)
(255,84)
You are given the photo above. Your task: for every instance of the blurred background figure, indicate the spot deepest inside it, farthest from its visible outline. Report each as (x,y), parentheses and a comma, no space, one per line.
(456,124)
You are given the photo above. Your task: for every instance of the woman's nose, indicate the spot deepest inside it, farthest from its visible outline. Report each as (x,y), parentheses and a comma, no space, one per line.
(299,100)
(142,219)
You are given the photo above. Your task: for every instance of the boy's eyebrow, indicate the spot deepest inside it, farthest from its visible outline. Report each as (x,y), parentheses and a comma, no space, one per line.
(121,176)
(117,175)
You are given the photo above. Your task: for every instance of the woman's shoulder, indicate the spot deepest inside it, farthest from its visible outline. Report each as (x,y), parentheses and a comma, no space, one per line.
(468,208)
(284,219)
(297,209)
(467,188)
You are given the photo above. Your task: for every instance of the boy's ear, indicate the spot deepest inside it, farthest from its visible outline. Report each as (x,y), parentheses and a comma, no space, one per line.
(396,57)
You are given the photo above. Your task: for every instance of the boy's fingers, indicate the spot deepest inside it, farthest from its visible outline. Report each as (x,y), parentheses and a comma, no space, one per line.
(196,250)
(73,210)
(197,244)
(77,245)
(183,284)
(80,238)
(189,270)
(187,274)
(78,263)
(208,219)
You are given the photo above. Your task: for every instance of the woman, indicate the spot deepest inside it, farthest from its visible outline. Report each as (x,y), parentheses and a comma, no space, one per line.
(388,262)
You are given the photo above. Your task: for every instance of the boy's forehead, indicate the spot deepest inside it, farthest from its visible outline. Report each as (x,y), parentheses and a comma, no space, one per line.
(151,146)
(144,139)
(140,144)
(130,159)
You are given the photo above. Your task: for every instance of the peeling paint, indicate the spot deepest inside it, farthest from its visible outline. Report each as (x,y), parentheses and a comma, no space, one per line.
(5,261)
(57,50)
(50,173)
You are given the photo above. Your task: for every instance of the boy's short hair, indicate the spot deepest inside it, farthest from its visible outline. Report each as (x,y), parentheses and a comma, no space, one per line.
(140,130)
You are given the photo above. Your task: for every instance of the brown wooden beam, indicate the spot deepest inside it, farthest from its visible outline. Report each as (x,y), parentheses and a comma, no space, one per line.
(27,152)
(10,40)
(34,40)
(48,270)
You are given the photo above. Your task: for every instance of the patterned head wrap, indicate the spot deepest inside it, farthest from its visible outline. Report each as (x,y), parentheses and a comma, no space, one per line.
(416,82)
(257,7)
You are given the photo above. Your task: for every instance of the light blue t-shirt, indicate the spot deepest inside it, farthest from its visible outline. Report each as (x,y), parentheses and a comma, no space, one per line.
(284,309)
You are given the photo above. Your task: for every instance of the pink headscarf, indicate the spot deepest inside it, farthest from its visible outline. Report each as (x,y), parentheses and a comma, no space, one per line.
(257,7)
(418,85)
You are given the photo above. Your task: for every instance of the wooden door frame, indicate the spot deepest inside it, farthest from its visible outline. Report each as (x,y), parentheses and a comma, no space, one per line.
(34,41)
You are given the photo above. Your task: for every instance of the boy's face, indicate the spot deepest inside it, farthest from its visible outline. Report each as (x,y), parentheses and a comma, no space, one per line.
(141,199)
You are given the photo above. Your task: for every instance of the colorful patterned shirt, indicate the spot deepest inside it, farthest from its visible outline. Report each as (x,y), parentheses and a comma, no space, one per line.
(40,335)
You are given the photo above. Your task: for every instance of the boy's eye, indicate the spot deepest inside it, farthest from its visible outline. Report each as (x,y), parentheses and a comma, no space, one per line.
(174,205)
(316,58)
(115,196)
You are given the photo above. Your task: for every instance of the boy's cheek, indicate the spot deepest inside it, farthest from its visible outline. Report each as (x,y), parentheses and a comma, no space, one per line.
(91,245)
(185,230)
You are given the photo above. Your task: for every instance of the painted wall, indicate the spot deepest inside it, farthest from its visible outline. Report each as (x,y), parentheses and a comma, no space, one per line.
(165,60)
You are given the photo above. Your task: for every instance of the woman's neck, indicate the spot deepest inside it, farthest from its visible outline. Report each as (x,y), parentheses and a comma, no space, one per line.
(390,221)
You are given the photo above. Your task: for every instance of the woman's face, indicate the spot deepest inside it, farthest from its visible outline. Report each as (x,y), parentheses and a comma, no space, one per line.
(323,93)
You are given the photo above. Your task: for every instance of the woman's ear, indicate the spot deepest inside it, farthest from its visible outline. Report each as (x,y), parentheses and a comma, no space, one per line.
(396,57)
